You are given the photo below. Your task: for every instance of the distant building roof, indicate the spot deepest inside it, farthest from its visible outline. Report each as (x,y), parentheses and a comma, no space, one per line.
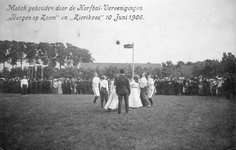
(119,65)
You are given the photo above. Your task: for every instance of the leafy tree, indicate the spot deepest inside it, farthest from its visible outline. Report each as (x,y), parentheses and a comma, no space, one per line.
(50,72)
(42,53)
(228,63)
(13,53)
(70,55)
(180,64)
(189,63)
(61,54)
(17,72)
(5,72)
(75,55)
(168,69)
(211,68)
(4,51)
(21,52)
(111,71)
(31,51)
(51,55)
(87,73)
(198,68)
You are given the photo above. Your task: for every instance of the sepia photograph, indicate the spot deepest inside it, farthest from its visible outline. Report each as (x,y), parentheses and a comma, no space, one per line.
(118,75)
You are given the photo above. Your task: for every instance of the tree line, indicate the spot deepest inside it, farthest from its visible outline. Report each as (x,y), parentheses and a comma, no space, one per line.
(209,68)
(52,54)
(56,55)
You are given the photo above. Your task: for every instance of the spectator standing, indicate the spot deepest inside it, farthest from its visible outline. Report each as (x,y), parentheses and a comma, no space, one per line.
(24,86)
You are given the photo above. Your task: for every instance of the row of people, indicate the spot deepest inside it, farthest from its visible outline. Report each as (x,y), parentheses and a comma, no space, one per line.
(222,86)
(44,86)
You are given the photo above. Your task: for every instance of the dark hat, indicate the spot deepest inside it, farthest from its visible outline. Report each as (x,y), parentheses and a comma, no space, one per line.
(122,71)
(136,77)
(103,77)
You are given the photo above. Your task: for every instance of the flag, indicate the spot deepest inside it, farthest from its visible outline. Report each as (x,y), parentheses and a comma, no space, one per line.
(128,46)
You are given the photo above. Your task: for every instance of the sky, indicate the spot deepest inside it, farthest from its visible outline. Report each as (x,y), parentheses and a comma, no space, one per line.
(171,30)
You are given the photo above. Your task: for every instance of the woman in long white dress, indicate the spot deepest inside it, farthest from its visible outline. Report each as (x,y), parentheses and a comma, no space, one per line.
(134,97)
(151,88)
(112,102)
(59,86)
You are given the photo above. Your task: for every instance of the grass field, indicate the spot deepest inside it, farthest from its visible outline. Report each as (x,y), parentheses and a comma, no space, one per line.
(71,122)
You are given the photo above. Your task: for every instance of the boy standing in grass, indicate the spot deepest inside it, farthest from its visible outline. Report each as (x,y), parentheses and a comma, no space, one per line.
(24,86)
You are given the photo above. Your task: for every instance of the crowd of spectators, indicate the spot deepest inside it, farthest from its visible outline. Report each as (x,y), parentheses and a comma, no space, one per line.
(44,86)
(218,86)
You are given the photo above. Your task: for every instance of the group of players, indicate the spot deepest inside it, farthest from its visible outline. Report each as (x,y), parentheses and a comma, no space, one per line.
(136,92)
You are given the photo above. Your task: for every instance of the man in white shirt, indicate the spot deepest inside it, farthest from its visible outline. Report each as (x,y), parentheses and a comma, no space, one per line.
(95,85)
(104,90)
(143,93)
(219,86)
(24,86)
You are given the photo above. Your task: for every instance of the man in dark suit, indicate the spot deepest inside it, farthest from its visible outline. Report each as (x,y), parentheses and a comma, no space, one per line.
(122,90)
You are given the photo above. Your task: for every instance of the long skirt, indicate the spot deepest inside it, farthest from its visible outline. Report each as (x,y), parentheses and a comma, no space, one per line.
(112,102)
(134,98)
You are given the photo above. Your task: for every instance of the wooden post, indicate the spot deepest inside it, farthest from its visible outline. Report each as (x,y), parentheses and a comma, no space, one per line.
(133,61)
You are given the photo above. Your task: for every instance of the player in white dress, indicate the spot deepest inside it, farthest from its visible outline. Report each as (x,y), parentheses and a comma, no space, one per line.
(151,88)
(134,97)
(112,102)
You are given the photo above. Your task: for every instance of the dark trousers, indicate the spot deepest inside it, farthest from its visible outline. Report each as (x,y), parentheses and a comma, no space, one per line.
(104,96)
(24,90)
(144,96)
(80,91)
(126,98)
